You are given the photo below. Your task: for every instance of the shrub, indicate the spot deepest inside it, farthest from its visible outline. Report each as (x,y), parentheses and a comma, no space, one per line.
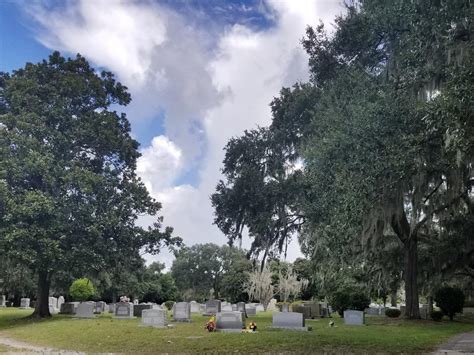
(436,315)
(81,290)
(340,301)
(450,300)
(359,301)
(393,312)
(169,305)
(343,300)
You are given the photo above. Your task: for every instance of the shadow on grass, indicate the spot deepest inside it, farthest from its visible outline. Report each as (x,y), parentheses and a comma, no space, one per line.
(12,318)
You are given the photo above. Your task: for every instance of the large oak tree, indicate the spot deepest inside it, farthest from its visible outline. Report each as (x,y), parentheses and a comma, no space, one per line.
(70,197)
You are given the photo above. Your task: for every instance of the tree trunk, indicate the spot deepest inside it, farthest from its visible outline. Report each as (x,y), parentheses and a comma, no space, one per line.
(42,299)
(393,298)
(411,286)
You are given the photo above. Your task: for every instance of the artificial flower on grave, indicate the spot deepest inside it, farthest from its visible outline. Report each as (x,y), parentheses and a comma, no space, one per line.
(253,326)
(211,324)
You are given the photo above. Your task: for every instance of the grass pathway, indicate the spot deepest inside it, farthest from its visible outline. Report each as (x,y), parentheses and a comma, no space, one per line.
(9,344)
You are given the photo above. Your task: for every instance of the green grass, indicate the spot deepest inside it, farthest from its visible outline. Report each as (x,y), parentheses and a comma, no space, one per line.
(104,334)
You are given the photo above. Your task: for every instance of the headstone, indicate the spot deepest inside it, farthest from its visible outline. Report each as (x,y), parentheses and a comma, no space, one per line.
(100,307)
(288,320)
(182,312)
(212,307)
(53,302)
(305,311)
(424,312)
(251,310)
(25,303)
(315,311)
(241,308)
(123,310)
(195,307)
(85,310)
(285,307)
(60,302)
(260,308)
(112,308)
(139,308)
(230,321)
(272,305)
(323,309)
(226,307)
(3,301)
(135,301)
(354,317)
(157,318)
(69,307)
(234,308)
(468,311)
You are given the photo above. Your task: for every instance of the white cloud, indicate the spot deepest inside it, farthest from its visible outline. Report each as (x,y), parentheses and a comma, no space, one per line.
(160,164)
(211,86)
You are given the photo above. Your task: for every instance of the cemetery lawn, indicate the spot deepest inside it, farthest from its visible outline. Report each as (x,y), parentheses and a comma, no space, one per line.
(104,334)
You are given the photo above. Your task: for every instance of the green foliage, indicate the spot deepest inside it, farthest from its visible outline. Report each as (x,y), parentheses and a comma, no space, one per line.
(393,312)
(16,280)
(359,301)
(204,267)
(70,196)
(450,300)
(169,305)
(82,290)
(349,299)
(437,316)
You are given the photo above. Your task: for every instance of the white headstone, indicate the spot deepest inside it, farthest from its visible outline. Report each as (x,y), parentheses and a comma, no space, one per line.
(25,303)
(60,302)
(354,317)
(230,321)
(288,320)
(85,310)
(182,312)
(154,318)
(226,307)
(212,307)
(100,307)
(3,301)
(124,310)
(195,307)
(272,305)
(251,310)
(241,308)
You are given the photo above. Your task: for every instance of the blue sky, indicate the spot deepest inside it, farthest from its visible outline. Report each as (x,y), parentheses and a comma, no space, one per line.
(199,72)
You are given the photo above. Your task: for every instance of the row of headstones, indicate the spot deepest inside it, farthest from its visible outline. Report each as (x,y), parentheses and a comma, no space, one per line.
(25,303)
(311,310)
(212,307)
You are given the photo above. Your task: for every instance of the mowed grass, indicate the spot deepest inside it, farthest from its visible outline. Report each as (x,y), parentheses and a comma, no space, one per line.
(105,334)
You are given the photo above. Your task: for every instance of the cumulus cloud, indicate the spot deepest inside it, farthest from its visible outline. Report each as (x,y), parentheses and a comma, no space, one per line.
(210,84)
(160,164)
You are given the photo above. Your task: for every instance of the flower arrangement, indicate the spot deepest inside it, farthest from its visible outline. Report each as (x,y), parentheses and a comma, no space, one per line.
(253,326)
(211,324)
(124,299)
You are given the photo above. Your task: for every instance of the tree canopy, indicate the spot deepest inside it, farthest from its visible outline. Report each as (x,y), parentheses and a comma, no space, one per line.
(70,194)
(383,134)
